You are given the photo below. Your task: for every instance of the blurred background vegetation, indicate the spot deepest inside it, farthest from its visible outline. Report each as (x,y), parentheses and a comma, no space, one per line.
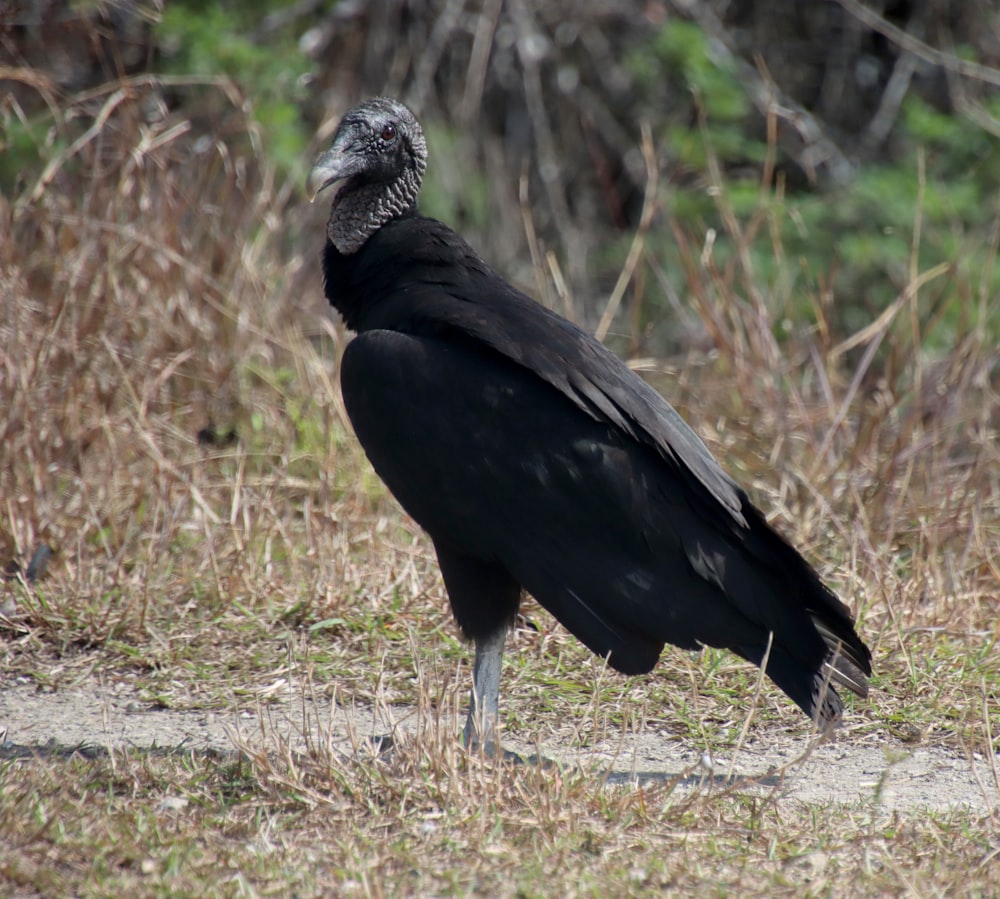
(863,138)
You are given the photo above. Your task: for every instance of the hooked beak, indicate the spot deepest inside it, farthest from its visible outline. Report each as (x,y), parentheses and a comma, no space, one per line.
(333,166)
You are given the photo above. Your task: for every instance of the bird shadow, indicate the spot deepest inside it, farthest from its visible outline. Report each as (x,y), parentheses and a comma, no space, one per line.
(690,780)
(384,747)
(695,777)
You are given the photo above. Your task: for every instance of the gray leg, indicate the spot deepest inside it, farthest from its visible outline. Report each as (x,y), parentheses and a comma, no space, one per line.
(484,597)
(484,704)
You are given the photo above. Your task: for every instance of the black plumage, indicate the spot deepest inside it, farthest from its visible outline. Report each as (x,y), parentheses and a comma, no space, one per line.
(537,460)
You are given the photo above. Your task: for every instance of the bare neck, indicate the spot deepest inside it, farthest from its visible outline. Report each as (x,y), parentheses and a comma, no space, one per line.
(358,211)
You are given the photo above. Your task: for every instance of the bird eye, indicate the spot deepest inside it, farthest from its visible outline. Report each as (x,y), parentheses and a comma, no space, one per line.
(389,133)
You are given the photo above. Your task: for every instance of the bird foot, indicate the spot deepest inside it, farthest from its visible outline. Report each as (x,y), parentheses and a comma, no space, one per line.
(493,750)
(489,748)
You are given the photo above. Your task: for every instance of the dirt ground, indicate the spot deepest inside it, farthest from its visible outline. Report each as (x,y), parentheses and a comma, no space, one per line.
(92,716)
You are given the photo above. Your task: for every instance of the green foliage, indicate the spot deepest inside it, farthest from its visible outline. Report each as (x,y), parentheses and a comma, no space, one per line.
(218,38)
(680,54)
(867,231)
(684,51)
(862,238)
(22,143)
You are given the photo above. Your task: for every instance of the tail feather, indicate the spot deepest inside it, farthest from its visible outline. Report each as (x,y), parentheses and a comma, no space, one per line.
(811,690)
(806,668)
(843,664)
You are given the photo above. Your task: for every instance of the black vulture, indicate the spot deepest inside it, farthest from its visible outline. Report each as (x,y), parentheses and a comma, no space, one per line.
(538,461)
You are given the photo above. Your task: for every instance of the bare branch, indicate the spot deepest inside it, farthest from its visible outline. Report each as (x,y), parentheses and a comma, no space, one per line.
(917,47)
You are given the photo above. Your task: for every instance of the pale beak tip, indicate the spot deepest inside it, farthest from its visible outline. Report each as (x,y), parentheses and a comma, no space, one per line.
(316,182)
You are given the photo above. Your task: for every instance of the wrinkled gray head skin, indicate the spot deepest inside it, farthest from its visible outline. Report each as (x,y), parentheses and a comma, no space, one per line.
(378,157)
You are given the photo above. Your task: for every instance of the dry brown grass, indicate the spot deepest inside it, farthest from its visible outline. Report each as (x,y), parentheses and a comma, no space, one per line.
(156,283)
